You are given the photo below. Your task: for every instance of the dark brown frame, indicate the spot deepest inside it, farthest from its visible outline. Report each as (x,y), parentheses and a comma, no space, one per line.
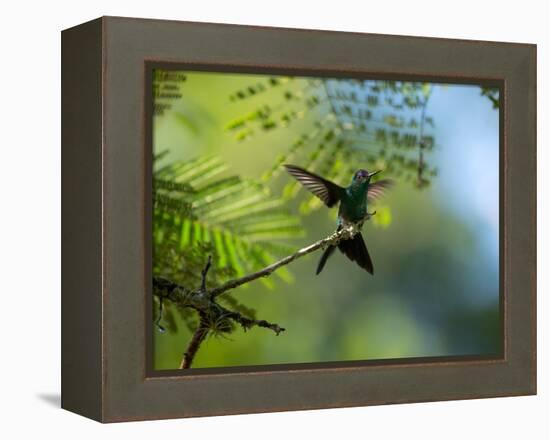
(106,176)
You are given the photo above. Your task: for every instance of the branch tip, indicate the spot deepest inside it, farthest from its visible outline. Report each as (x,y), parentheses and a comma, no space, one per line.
(205,272)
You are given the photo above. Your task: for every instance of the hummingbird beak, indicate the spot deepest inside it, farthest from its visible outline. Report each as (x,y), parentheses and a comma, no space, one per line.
(374,174)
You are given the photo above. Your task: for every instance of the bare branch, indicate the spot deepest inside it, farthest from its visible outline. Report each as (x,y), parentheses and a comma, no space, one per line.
(198,337)
(333,239)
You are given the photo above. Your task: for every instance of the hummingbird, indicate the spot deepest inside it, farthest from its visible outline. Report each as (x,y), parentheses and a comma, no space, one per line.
(352,209)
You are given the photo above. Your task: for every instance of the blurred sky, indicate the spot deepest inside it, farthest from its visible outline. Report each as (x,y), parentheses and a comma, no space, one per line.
(468,163)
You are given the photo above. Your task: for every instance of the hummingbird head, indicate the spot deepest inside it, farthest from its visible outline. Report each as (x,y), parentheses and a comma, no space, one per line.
(361,176)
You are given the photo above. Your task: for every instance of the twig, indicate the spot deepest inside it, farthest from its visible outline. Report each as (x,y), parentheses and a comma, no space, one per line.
(205,272)
(247,323)
(159,318)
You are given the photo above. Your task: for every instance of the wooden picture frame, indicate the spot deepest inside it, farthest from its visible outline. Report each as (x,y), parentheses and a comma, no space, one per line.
(106,219)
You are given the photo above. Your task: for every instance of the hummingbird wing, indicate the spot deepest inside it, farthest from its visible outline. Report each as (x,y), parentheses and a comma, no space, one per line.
(328,192)
(378,189)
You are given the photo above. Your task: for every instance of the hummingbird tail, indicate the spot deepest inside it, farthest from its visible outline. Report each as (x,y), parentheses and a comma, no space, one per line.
(328,252)
(356,250)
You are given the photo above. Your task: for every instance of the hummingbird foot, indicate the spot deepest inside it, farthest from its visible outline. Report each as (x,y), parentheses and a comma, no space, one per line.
(351,230)
(346,232)
(369,215)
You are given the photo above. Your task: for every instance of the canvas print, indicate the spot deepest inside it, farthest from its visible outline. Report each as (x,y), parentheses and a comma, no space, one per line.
(302,219)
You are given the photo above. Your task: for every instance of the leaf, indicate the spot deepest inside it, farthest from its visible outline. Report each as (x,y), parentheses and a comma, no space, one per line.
(426,89)
(185,236)
(220,248)
(186,122)
(383,217)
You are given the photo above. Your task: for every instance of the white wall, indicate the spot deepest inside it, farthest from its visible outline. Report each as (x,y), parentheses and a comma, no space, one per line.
(30,218)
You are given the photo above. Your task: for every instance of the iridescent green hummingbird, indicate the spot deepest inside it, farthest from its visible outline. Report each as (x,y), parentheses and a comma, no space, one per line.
(353,208)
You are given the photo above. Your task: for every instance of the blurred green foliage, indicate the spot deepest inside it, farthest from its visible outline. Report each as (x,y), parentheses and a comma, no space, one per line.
(220,141)
(379,123)
(493,95)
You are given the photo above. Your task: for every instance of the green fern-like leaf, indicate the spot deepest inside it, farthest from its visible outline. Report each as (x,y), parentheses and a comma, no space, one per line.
(374,123)
(200,211)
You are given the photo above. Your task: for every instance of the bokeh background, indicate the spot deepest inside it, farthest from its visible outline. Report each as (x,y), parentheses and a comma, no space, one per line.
(434,241)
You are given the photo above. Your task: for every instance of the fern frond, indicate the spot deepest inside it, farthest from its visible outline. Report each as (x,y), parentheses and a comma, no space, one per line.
(199,210)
